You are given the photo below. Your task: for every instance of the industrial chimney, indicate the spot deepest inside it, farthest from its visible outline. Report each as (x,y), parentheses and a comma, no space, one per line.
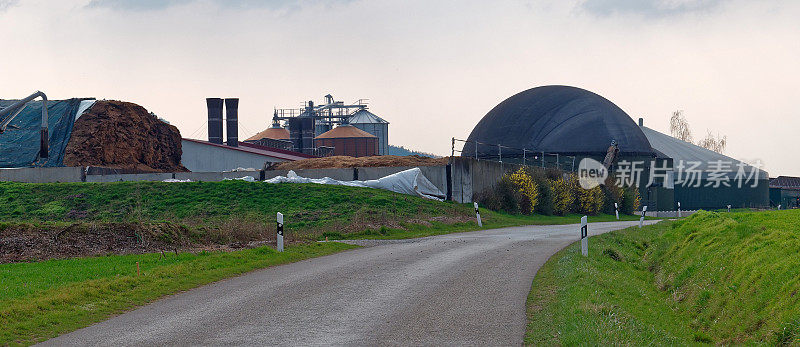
(214,120)
(232,121)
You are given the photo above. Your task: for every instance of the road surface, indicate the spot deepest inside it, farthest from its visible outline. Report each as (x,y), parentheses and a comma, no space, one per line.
(456,289)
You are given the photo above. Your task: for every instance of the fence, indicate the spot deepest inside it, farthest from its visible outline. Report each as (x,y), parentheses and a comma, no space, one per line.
(505,154)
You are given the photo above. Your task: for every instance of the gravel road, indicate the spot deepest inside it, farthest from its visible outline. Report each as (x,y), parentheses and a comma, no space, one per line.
(456,289)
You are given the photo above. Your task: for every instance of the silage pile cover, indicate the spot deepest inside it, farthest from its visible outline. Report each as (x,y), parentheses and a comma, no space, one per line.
(19,144)
(410,182)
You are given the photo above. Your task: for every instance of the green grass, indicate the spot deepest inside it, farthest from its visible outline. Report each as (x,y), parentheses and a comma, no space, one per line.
(44,299)
(722,278)
(303,205)
(229,211)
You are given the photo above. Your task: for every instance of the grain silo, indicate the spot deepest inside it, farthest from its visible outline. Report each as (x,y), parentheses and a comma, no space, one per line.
(374,125)
(349,140)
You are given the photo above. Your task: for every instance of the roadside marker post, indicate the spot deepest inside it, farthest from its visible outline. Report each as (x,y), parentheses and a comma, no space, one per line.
(478,214)
(729,208)
(616,210)
(679,209)
(584,237)
(641,220)
(280,232)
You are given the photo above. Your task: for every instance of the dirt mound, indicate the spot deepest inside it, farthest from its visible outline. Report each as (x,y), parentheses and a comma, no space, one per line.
(123,135)
(347,162)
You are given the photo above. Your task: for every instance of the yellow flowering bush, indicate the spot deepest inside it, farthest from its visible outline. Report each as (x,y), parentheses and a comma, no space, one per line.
(563,197)
(590,201)
(528,188)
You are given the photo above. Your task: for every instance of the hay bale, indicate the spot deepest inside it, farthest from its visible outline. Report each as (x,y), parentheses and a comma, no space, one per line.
(123,135)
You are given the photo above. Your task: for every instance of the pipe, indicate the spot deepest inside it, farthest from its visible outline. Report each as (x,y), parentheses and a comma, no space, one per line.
(232,121)
(214,120)
(17,107)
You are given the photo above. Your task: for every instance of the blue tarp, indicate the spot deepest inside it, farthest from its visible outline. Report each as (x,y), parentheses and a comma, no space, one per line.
(19,144)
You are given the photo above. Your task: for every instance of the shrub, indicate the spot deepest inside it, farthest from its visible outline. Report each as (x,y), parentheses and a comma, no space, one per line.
(545,204)
(612,193)
(630,200)
(503,196)
(590,201)
(563,196)
(528,189)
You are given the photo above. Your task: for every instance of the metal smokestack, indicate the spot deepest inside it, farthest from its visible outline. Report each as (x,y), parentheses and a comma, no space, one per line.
(232,121)
(214,120)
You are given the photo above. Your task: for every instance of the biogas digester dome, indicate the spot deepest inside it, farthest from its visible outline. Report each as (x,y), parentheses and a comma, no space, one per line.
(556,119)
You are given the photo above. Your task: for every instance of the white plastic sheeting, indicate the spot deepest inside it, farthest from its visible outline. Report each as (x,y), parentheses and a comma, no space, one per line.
(411,182)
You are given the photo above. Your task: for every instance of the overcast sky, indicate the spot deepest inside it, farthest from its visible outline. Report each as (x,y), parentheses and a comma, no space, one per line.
(431,68)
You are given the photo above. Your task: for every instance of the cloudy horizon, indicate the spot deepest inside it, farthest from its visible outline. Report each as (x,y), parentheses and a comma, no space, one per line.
(432,69)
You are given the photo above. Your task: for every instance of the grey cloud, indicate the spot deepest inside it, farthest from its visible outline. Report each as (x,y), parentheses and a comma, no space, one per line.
(154,5)
(650,8)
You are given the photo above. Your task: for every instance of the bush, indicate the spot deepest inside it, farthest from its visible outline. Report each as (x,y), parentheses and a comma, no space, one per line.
(630,200)
(563,195)
(545,204)
(611,194)
(503,196)
(590,201)
(528,190)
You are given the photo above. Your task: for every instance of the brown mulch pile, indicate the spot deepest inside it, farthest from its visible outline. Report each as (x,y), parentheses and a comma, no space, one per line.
(349,162)
(123,135)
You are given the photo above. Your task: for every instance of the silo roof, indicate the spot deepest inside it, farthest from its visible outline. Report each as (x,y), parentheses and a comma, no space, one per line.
(271,133)
(345,131)
(366,117)
(560,119)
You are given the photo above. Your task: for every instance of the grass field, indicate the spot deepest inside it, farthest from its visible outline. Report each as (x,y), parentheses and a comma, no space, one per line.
(44,299)
(721,278)
(237,211)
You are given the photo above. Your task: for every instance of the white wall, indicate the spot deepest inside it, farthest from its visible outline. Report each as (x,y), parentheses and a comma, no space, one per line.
(199,157)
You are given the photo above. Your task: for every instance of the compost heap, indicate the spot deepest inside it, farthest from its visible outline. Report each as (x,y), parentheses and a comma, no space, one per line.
(347,162)
(123,135)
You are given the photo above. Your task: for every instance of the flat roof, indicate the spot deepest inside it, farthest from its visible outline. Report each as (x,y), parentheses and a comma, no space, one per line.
(260,150)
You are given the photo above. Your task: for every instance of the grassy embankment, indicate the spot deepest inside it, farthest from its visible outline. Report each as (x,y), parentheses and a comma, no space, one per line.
(721,278)
(42,299)
(224,212)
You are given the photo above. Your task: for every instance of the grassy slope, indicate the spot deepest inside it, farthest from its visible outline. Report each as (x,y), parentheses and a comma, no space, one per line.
(712,278)
(304,205)
(44,299)
(309,209)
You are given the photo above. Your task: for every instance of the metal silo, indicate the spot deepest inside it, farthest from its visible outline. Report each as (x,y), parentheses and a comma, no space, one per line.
(374,125)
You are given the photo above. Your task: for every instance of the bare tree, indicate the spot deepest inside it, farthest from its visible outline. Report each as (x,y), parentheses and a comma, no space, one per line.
(679,127)
(716,143)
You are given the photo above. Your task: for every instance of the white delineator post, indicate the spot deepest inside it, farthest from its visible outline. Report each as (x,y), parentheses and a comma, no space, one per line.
(478,214)
(679,209)
(584,237)
(280,232)
(641,220)
(616,210)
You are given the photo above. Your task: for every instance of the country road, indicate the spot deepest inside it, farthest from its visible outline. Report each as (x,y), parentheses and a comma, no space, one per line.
(456,289)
